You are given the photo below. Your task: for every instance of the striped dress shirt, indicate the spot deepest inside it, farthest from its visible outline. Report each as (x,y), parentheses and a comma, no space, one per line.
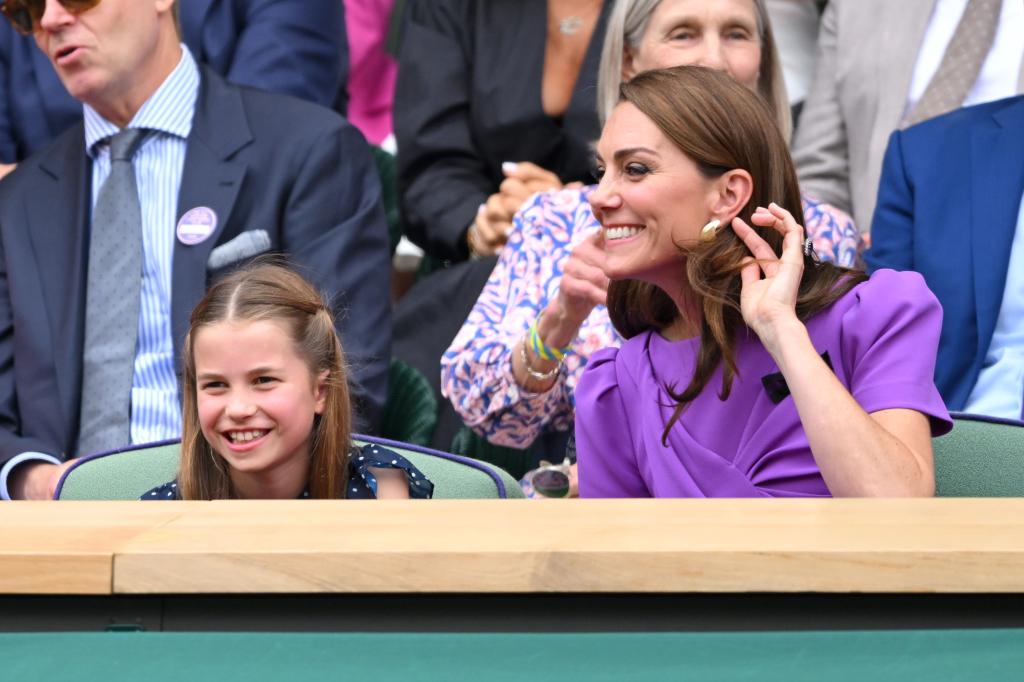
(158,163)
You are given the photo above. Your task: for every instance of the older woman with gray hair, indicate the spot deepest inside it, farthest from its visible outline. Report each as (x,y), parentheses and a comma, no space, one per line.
(512,369)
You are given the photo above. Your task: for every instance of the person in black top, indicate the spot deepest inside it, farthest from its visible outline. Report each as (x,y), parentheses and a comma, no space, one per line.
(495,100)
(489,91)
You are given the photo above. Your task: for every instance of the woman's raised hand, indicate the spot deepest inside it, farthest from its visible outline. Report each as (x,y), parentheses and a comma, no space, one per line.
(769,303)
(584,284)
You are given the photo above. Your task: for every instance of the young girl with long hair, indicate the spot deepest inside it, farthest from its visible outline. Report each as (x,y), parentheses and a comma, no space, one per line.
(266,409)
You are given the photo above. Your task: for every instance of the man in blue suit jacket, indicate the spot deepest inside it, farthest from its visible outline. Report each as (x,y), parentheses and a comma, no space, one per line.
(950,207)
(277,173)
(295,47)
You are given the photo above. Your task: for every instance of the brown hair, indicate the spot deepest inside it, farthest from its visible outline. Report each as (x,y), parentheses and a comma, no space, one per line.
(721,126)
(270,291)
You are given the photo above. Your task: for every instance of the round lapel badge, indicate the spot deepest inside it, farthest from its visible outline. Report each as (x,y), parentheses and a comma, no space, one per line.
(196,225)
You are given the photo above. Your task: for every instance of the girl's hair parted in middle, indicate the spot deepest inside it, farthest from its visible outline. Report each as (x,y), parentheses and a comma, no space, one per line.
(268,290)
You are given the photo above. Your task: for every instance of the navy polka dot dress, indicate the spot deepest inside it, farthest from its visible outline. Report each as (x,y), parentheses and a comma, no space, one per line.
(362,484)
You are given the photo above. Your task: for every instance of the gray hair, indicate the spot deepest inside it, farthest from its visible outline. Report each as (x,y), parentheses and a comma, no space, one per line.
(626,26)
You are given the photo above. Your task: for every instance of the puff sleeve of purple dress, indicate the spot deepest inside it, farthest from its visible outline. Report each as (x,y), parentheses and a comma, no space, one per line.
(881,339)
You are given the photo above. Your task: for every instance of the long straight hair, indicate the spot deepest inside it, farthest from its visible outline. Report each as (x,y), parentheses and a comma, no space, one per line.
(626,25)
(720,125)
(270,291)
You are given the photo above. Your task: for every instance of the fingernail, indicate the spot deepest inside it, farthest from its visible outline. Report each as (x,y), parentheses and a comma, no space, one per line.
(509,167)
(481,209)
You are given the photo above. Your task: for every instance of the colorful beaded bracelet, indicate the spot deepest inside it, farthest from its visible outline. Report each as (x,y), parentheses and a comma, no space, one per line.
(544,351)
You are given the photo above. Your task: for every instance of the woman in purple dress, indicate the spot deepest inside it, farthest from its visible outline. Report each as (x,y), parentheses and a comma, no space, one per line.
(749,368)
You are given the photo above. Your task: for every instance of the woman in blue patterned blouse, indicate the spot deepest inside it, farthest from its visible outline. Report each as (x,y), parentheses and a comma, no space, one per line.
(266,401)
(512,369)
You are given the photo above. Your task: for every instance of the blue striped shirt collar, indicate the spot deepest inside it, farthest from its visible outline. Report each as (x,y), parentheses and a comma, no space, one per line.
(169,110)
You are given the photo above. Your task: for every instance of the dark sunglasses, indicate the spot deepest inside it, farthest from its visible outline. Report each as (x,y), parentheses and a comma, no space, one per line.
(25,15)
(550,480)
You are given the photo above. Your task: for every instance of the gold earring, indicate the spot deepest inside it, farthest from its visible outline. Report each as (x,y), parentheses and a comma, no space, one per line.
(707,233)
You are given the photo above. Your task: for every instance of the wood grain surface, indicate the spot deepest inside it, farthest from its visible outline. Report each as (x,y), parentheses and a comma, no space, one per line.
(582,546)
(67,548)
(935,545)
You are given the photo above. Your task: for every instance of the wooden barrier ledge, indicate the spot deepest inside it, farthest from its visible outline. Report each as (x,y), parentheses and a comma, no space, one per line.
(838,546)
(68,548)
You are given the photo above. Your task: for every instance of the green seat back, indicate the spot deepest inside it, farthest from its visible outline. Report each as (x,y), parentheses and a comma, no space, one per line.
(980,457)
(410,413)
(124,475)
(127,474)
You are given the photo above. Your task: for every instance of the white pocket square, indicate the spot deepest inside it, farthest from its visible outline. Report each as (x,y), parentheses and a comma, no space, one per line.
(246,245)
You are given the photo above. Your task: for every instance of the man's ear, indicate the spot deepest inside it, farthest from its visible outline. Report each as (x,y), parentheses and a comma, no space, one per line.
(320,391)
(733,190)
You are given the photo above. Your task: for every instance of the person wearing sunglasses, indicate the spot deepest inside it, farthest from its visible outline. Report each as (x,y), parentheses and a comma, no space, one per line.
(247,42)
(109,236)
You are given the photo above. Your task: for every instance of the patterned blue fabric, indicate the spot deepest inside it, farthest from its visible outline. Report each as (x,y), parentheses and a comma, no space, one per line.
(362,484)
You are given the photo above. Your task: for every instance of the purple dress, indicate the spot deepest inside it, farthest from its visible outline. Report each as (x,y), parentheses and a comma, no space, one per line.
(881,339)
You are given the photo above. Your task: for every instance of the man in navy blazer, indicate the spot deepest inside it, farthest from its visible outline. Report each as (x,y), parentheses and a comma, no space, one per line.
(950,207)
(279,174)
(295,47)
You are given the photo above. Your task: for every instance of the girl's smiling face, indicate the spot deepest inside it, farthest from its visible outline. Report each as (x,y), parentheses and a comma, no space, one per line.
(257,399)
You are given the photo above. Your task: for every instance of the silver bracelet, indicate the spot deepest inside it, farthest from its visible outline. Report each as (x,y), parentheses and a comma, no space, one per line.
(539,376)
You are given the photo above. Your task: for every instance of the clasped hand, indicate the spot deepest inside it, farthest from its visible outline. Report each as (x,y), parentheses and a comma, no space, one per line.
(770,284)
(494,218)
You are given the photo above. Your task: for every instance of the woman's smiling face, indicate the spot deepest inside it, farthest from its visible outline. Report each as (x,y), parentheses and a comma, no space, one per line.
(652,200)
(719,34)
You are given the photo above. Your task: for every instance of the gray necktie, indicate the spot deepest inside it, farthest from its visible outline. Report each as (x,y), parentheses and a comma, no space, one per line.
(112,303)
(961,62)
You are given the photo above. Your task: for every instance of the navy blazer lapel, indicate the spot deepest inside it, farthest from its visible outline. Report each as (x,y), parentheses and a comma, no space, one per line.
(211,178)
(997,180)
(58,230)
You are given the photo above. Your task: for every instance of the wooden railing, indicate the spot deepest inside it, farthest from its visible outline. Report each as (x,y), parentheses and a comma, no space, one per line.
(670,546)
